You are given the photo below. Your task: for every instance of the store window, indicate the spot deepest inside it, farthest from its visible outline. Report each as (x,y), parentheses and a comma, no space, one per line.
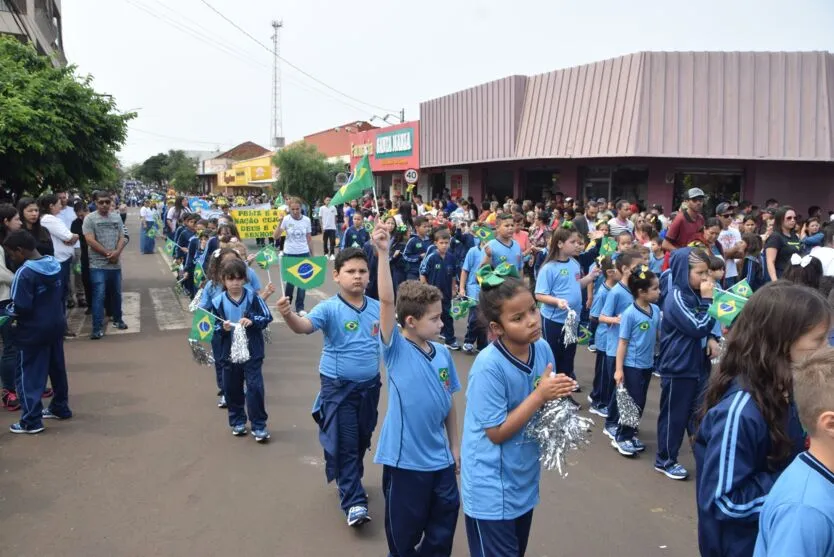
(615,182)
(723,185)
(498,183)
(540,184)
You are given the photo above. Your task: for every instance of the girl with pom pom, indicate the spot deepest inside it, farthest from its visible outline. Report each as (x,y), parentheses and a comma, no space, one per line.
(509,381)
(240,306)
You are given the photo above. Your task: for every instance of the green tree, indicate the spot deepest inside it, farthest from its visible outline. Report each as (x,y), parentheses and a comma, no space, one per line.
(181,171)
(304,172)
(55,129)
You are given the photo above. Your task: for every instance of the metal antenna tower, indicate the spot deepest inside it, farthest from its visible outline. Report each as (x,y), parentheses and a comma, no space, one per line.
(277,138)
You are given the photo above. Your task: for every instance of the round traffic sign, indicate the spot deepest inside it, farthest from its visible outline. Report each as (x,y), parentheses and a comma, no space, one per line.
(411,176)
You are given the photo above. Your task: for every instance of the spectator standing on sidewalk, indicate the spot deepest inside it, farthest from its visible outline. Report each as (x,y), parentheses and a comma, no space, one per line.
(67,216)
(327,217)
(63,241)
(105,237)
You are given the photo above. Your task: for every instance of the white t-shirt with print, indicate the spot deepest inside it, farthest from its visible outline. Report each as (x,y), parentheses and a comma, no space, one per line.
(327,215)
(729,238)
(297,231)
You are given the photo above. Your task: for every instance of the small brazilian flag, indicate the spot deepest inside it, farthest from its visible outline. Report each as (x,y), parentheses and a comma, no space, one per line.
(483,232)
(4,319)
(369,226)
(609,246)
(151,233)
(726,307)
(198,274)
(202,328)
(742,289)
(584,336)
(266,258)
(460,307)
(304,272)
(170,246)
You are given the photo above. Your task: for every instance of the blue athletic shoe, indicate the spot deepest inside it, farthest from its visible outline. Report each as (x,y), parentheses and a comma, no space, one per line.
(625,448)
(638,445)
(18,428)
(673,471)
(610,432)
(47,414)
(239,430)
(358,515)
(598,410)
(261,435)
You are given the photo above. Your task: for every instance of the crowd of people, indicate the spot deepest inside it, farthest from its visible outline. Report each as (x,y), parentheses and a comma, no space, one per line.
(760,422)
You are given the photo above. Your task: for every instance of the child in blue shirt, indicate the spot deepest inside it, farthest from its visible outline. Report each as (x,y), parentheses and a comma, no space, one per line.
(355,236)
(688,339)
(750,430)
(240,306)
(416,248)
(639,324)
(346,408)
(37,307)
(616,302)
(503,249)
(418,446)
(439,269)
(476,338)
(601,392)
(559,288)
(656,256)
(798,515)
(509,381)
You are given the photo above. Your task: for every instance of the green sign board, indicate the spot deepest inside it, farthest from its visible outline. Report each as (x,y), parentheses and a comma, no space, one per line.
(399,143)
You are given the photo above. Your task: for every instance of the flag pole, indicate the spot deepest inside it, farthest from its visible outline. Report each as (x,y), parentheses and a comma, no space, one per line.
(280,274)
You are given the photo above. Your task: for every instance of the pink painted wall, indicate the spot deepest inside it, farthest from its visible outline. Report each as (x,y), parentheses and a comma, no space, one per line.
(798,184)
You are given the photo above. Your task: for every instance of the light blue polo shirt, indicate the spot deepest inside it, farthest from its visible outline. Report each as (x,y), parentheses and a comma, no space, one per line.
(471,264)
(596,307)
(506,253)
(640,330)
(618,299)
(351,345)
(560,279)
(420,389)
(500,482)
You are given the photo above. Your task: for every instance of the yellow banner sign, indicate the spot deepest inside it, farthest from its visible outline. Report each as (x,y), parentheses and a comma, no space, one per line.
(257,223)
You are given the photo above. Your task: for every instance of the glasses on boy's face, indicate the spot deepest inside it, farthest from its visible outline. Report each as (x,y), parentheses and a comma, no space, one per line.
(103,201)
(727,216)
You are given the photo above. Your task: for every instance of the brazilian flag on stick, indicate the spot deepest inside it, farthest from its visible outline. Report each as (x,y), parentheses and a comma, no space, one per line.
(267,257)
(151,233)
(170,246)
(361,180)
(726,306)
(460,307)
(202,327)
(584,336)
(198,274)
(742,289)
(483,232)
(304,272)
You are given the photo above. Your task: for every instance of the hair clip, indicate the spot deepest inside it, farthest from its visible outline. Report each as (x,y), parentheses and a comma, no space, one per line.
(216,253)
(493,277)
(803,262)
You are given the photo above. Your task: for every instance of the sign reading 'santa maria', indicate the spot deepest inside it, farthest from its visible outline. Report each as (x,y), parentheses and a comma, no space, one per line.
(398,143)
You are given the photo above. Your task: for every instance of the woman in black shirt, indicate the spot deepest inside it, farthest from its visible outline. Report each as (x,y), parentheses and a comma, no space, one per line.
(782,243)
(30,218)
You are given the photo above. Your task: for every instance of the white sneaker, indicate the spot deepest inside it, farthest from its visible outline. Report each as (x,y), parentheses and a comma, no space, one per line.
(332,258)
(302,313)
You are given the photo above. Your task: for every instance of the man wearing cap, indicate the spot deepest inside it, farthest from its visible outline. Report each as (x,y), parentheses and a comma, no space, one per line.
(730,240)
(687,224)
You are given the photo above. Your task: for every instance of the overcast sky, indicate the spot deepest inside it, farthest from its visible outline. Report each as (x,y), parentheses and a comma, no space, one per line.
(200,84)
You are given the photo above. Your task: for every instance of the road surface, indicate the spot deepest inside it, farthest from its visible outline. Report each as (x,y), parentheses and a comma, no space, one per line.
(148,467)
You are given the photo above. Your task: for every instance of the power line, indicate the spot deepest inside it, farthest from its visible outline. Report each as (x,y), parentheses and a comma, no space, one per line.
(290,64)
(131,128)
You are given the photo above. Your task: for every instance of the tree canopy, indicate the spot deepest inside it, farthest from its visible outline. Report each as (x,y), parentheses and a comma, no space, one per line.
(173,168)
(305,173)
(55,129)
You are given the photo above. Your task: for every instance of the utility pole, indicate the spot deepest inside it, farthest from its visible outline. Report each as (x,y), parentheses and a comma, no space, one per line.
(277,138)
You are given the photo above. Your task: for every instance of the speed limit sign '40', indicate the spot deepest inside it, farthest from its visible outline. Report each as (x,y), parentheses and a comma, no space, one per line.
(411,176)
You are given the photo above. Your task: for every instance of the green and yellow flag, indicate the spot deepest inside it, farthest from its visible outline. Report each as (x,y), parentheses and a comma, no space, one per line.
(170,246)
(584,336)
(483,232)
(151,233)
(267,257)
(198,274)
(202,327)
(609,246)
(726,306)
(361,180)
(304,272)
(742,289)
(460,307)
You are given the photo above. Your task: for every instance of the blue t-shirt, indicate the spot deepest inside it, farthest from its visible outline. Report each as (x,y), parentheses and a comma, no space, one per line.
(596,308)
(420,388)
(474,258)
(253,281)
(619,298)
(798,515)
(500,482)
(351,347)
(560,279)
(640,330)
(506,253)
(655,263)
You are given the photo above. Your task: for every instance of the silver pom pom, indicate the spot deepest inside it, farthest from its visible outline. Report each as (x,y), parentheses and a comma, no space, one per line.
(570,331)
(267,336)
(558,428)
(629,411)
(200,354)
(240,345)
(195,303)
(722,347)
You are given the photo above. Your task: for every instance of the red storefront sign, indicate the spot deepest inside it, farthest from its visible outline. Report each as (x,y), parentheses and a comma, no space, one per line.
(395,148)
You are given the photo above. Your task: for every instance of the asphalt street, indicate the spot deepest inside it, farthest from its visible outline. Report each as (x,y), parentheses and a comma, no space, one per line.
(148,467)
